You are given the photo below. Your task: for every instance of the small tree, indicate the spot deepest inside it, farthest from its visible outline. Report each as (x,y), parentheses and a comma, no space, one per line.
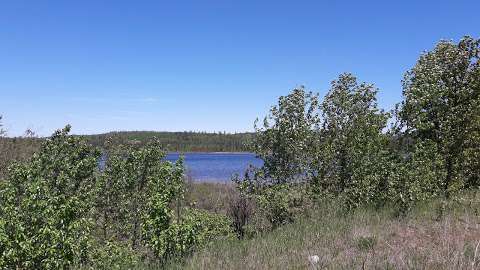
(351,146)
(162,209)
(132,178)
(169,230)
(284,141)
(442,105)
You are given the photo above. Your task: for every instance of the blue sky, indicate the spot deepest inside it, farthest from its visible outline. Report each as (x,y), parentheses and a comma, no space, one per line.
(202,65)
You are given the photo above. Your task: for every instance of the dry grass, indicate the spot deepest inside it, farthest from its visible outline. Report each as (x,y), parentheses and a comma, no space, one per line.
(210,196)
(366,239)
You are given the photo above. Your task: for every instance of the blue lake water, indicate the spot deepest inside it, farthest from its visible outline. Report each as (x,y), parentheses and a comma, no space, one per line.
(216,167)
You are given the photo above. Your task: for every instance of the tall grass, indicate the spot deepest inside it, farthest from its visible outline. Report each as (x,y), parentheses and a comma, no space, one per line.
(435,235)
(210,196)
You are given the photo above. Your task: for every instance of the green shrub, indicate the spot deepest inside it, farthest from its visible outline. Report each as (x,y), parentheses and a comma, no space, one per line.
(275,204)
(210,226)
(281,203)
(416,178)
(196,229)
(45,206)
(113,255)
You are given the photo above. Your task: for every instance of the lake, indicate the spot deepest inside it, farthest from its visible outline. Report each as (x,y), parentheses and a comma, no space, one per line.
(216,167)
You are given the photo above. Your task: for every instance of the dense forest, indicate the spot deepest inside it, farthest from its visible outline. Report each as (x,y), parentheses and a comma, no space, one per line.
(178,141)
(340,159)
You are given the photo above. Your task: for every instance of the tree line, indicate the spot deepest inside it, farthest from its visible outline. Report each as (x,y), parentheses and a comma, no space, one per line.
(187,141)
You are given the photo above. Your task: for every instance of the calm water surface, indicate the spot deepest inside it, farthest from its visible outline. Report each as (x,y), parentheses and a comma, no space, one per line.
(216,167)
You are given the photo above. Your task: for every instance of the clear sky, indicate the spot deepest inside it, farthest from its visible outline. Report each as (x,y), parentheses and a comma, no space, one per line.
(202,65)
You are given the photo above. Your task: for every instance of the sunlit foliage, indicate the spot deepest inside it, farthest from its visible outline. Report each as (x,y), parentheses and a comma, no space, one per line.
(45,206)
(351,152)
(442,105)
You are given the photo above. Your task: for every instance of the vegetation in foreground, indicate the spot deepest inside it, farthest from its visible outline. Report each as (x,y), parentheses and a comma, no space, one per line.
(334,173)
(363,239)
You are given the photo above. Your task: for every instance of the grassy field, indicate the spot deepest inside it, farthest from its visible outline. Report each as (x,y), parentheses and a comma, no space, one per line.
(433,236)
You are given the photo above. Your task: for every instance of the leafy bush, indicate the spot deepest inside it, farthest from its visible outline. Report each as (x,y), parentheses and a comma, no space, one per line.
(210,226)
(112,255)
(415,178)
(45,205)
(277,204)
(196,229)
(281,203)
(158,221)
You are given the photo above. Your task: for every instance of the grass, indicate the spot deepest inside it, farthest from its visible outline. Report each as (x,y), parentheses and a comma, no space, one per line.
(210,196)
(365,239)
